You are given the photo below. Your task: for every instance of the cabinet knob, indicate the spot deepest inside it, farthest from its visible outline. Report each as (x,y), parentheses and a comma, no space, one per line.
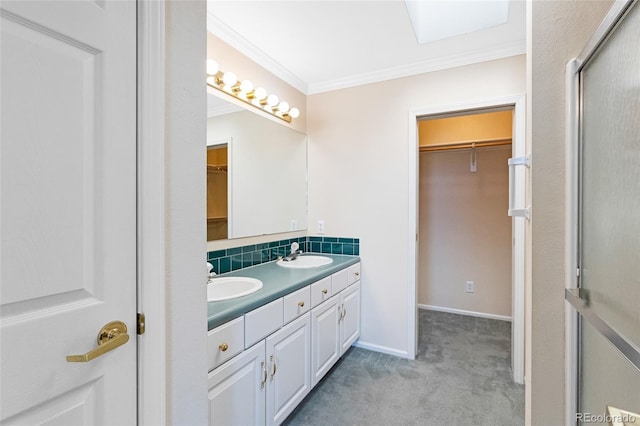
(324,291)
(223,347)
(301,304)
(357,274)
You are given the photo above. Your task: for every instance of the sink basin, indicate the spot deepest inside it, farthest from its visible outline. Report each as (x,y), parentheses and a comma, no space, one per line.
(306,262)
(225,288)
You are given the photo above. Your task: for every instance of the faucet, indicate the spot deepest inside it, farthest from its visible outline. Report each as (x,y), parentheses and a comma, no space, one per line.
(294,252)
(212,274)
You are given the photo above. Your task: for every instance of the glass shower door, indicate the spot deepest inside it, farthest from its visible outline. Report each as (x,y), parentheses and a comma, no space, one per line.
(608,298)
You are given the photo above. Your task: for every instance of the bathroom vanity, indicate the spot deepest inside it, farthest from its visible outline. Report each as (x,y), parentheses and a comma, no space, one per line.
(267,350)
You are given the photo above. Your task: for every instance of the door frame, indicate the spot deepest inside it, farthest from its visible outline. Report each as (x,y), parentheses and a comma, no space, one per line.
(518,258)
(152,297)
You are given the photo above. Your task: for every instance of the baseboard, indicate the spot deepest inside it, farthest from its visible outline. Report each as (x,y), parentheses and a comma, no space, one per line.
(463,312)
(381,349)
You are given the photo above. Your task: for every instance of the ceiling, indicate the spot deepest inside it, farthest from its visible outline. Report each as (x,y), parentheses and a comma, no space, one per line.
(320,45)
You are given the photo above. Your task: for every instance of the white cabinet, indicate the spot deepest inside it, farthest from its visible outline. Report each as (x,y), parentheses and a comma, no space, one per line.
(349,316)
(335,326)
(325,338)
(237,389)
(289,359)
(291,343)
(266,382)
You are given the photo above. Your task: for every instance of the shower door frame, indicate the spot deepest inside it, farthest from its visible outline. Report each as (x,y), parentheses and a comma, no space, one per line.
(572,223)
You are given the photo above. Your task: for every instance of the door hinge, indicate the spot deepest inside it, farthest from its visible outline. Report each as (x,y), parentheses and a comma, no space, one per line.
(141,323)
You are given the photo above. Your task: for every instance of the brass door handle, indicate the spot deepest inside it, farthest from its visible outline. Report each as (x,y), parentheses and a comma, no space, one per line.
(324,291)
(357,274)
(110,336)
(301,304)
(223,347)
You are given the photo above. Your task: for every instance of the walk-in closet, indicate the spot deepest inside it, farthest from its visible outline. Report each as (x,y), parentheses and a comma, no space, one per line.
(464,231)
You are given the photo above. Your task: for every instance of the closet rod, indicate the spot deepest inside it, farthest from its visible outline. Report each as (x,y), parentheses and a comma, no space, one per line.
(466,145)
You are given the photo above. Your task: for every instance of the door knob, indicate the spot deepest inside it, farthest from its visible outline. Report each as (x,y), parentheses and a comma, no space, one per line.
(110,336)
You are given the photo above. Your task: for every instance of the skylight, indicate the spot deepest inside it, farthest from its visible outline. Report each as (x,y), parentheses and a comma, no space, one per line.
(439,19)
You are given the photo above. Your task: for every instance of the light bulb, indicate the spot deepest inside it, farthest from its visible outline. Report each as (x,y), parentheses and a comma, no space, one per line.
(272,100)
(283,107)
(294,112)
(246,86)
(260,93)
(212,67)
(229,79)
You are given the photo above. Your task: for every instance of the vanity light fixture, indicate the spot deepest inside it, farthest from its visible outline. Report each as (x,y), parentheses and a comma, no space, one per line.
(228,82)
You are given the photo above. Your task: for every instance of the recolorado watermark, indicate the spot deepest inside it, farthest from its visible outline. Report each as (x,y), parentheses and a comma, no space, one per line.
(607,418)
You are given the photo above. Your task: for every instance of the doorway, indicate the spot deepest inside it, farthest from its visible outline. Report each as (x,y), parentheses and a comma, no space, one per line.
(464,232)
(517,272)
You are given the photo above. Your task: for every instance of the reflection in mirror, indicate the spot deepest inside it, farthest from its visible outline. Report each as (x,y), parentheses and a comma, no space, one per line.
(265,174)
(217,190)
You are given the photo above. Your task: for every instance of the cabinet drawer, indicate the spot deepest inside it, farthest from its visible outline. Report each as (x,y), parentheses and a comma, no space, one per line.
(353,272)
(296,304)
(261,322)
(224,342)
(321,291)
(339,281)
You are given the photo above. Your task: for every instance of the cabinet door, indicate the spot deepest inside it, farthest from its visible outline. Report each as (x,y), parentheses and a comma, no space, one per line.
(237,389)
(350,313)
(325,338)
(289,362)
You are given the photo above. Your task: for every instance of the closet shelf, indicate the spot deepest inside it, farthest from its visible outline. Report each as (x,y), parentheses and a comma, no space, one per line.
(217,219)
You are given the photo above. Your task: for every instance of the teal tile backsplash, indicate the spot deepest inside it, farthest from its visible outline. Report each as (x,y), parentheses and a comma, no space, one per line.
(232,259)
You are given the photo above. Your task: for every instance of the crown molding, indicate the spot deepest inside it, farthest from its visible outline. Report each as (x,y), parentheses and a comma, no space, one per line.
(232,38)
(235,40)
(222,109)
(466,58)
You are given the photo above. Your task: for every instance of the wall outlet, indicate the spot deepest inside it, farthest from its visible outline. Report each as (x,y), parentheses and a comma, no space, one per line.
(471,287)
(320,228)
(294,225)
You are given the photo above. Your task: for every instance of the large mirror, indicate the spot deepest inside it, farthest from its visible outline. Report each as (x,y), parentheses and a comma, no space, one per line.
(256,174)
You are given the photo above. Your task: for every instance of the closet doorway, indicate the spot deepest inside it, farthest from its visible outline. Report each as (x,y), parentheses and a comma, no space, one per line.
(469,254)
(464,250)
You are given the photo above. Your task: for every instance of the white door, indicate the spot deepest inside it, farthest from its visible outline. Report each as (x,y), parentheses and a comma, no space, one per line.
(288,356)
(67,210)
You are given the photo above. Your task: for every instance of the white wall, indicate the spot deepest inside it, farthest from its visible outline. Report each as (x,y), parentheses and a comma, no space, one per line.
(358,175)
(465,233)
(558,31)
(185,226)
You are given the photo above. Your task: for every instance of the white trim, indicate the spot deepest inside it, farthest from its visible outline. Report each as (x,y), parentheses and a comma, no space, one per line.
(519,145)
(381,349)
(151,221)
(519,245)
(235,40)
(413,236)
(462,59)
(463,312)
(571,238)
